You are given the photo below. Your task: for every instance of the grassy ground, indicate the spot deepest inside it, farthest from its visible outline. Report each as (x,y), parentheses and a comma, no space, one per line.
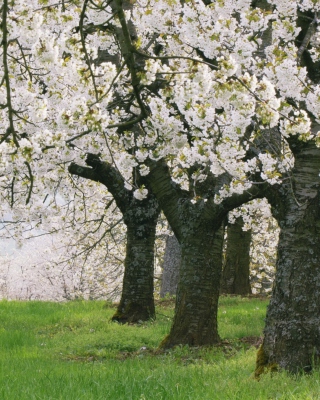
(71,351)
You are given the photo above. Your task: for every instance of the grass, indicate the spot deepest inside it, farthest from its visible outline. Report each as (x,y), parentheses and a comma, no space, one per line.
(72,351)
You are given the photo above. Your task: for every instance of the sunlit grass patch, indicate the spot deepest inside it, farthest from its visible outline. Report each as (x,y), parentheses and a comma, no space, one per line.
(241,316)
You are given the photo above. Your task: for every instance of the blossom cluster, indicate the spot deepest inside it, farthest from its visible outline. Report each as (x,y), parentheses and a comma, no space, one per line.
(208,81)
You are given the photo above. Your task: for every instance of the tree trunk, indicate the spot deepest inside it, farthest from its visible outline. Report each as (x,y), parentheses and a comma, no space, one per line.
(236,271)
(195,320)
(140,217)
(137,303)
(292,334)
(171,266)
(197,225)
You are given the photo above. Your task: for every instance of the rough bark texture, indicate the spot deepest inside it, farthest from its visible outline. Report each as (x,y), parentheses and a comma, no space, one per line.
(171,267)
(292,334)
(236,269)
(137,302)
(195,320)
(140,217)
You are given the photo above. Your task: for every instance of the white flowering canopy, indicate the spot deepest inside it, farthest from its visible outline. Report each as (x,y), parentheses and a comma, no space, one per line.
(200,79)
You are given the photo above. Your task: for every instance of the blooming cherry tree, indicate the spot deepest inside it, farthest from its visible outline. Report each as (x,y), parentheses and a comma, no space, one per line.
(204,105)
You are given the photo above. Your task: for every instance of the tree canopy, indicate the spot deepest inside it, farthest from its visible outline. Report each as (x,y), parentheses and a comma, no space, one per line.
(201,80)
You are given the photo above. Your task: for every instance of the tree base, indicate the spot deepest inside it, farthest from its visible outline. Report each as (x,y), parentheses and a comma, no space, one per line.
(133,314)
(171,341)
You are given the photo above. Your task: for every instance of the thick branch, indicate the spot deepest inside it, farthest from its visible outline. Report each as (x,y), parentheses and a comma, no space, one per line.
(257,191)
(106,174)
(169,195)
(306,40)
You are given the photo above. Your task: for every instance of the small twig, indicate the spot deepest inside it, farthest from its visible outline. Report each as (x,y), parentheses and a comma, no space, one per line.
(77,136)
(127,124)
(175,57)
(261,100)
(31,182)
(12,192)
(111,84)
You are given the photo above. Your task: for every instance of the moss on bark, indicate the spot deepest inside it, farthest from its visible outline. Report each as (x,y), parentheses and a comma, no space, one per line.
(262,363)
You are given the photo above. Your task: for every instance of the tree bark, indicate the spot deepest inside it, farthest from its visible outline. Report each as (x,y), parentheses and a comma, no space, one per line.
(171,267)
(236,270)
(137,303)
(140,217)
(195,319)
(291,334)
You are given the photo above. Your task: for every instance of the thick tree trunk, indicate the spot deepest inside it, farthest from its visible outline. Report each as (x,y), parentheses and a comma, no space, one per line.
(171,267)
(292,334)
(137,303)
(195,320)
(236,270)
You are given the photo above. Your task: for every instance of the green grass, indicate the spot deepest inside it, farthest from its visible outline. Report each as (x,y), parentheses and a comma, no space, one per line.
(72,351)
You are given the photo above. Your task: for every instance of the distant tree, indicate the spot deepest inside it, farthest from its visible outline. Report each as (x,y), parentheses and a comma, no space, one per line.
(170,267)
(263,252)
(236,268)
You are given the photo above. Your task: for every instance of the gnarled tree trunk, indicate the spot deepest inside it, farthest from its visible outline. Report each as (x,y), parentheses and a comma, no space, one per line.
(236,269)
(292,334)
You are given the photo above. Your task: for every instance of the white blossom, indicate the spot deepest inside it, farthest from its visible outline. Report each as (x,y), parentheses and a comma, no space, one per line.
(140,193)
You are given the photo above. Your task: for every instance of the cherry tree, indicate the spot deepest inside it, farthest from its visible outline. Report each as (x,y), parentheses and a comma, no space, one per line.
(140,218)
(263,250)
(43,58)
(204,105)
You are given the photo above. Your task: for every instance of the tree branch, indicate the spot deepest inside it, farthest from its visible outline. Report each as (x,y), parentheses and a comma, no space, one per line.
(106,174)
(10,129)
(306,40)
(168,193)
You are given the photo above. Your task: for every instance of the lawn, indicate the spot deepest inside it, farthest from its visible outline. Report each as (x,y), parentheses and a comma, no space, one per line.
(72,351)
